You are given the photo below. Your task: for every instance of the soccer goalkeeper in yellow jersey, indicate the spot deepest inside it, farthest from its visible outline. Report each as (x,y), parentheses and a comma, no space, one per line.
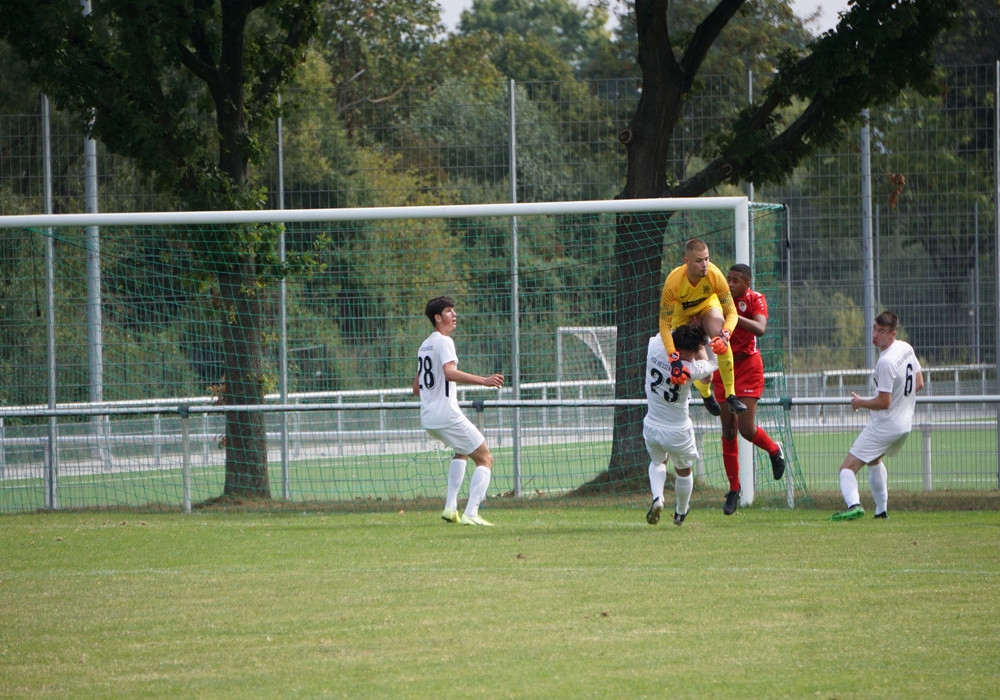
(697,292)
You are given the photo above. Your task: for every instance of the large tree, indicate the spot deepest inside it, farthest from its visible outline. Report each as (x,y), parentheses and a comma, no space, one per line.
(878,48)
(186,88)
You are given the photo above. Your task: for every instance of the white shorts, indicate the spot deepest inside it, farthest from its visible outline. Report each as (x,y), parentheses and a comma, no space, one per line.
(462,436)
(871,444)
(676,443)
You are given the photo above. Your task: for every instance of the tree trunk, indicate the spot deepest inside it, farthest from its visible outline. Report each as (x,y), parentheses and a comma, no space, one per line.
(638,254)
(639,244)
(246,440)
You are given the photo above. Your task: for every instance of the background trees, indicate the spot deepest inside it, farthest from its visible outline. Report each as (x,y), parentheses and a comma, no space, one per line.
(879,48)
(385,110)
(186,90)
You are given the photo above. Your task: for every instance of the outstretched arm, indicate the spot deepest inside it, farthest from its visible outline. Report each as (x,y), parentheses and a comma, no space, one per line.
(453,374)
(667,301)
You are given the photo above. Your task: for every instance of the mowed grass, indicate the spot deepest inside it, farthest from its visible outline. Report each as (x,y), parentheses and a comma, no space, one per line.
(564,602)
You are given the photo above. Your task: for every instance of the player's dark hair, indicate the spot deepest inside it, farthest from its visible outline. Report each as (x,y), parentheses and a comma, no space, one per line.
(887,319)
(436,306)
(688,337)
(744,270)
(695,244)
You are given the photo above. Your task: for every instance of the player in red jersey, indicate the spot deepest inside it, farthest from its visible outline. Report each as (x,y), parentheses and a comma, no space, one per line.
(749,380)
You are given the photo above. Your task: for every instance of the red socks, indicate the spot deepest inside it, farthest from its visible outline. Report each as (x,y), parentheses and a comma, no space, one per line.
(764,442)
(731,461)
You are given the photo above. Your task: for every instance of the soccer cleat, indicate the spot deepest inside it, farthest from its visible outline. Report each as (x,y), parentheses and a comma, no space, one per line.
(778,463)
(653,514)
(678,518)
(884,515)
(734,404)
(711,405)
(450,515)
(476,520)
(732,500)
(852,513)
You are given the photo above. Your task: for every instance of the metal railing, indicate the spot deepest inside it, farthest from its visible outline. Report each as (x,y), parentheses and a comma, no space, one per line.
(590,421)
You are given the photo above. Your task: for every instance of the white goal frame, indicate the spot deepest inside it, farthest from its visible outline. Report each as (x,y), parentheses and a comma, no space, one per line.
(741,235)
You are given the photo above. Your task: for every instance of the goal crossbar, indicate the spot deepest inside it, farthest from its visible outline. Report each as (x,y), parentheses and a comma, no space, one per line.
(739,205)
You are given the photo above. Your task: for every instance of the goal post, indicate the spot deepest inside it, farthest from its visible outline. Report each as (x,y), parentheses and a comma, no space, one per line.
(353,319)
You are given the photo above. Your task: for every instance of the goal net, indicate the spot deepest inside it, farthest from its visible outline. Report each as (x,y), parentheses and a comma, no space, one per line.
(270,354)
(593,356)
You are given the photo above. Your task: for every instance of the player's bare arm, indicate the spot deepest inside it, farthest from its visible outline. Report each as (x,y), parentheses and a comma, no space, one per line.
(453,374)
(879,402)
(756,325)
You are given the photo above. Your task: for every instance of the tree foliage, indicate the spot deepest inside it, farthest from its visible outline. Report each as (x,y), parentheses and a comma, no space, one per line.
(541,39)
(186,90)
(878,49)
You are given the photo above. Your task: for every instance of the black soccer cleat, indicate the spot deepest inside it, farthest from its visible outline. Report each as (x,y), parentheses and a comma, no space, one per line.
(734,404)
(778,463)
(678,518)
(884,515)
(732,501)
(712,406)
(653,514)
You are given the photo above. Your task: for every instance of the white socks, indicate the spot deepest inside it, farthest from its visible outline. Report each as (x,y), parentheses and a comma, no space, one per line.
(683,486)
(477,490)
(878,481)
(456,475)
(657,479)
(849,487)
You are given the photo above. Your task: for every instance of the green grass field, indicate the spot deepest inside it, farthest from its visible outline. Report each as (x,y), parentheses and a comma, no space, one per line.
(564,602)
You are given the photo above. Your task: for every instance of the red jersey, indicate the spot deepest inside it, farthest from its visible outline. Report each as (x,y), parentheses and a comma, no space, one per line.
(749,305)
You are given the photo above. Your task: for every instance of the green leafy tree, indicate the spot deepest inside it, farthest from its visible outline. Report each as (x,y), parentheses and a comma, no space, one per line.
(541,39)
(377,50)
(186,89)
(878,48)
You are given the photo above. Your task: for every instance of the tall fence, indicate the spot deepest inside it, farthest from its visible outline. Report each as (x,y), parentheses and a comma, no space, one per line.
(347,430)
(929,252)
(932,181)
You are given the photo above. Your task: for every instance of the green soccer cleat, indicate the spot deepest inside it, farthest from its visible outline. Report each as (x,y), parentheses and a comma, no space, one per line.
(852,513)
(653,514)
(884,515)
(476,520)
(450,516)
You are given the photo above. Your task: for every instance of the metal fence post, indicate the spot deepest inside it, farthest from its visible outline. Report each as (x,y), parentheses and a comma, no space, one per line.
(925,431)
(186,456)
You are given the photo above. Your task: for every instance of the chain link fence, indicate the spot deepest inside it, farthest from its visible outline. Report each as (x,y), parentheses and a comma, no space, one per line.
(932,254)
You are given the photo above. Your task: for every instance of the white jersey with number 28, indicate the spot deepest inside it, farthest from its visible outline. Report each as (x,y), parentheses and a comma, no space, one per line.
(438,398)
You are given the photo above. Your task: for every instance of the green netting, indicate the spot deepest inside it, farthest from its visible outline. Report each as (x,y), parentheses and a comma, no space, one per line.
(187,333)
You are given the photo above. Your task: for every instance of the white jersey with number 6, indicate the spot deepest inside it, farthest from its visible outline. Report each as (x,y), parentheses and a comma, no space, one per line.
(896,372)
(438,398)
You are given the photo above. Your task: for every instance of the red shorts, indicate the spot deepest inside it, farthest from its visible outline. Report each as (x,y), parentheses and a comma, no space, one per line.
(749,376)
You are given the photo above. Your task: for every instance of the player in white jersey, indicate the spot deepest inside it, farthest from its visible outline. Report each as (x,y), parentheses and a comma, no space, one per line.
(441,416)
(898,379)
(667,427)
